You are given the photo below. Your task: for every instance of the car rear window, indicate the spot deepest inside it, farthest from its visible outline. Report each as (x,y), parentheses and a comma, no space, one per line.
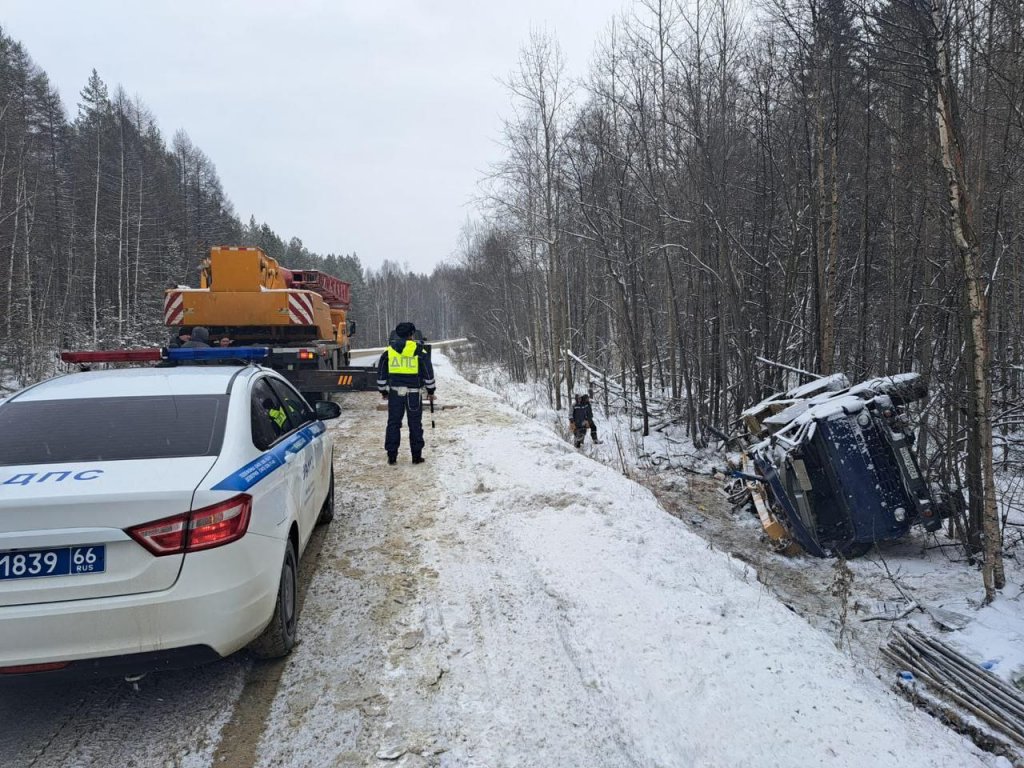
(111,429)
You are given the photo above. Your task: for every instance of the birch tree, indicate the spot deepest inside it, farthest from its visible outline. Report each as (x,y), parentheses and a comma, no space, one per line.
(936,24)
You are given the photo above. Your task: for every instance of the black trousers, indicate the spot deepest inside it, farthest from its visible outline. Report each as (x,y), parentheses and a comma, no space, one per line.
(398,406)
(580,432)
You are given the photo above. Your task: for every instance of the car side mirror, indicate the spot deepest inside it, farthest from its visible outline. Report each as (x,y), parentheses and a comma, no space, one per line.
(325,409)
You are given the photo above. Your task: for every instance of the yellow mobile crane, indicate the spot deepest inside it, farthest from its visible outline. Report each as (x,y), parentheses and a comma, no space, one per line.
(302,315)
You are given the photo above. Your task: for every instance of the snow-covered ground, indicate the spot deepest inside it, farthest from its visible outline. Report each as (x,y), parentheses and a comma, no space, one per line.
(511,602)
(851,602)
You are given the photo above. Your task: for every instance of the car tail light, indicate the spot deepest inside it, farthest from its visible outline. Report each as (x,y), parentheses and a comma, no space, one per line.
(162,537)
(220,524)
(200,529)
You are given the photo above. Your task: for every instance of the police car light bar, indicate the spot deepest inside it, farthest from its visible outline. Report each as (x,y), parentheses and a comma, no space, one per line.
(211,354)
(113,356)
(155,354)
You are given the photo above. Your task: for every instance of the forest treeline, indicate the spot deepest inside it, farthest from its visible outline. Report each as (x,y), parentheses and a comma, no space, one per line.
(98,215)
(737,191)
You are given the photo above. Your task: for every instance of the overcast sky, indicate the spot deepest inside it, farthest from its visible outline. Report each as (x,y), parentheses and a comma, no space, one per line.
(357,126)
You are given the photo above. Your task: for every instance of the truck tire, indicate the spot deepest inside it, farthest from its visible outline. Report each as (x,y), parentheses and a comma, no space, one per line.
(279,637)
(855,549)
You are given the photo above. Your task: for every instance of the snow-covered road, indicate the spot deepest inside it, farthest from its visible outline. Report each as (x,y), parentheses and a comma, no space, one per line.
(508,603)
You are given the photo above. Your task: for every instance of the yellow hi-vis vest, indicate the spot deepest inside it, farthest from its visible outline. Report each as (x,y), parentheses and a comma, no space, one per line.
(406,361)
(278,416)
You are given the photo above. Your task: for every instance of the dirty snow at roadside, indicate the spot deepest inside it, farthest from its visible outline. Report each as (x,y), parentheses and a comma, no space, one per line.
(513,603)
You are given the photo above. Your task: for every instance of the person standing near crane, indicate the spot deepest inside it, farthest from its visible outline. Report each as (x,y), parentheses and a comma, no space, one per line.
(404,371)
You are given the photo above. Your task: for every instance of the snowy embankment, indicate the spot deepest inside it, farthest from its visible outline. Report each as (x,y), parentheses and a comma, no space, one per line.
(513,603)
(928,575)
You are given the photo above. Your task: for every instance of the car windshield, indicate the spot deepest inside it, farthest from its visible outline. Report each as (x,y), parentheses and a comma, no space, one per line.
(111,429)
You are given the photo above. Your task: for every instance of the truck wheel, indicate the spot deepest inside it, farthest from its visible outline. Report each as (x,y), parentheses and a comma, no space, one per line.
(327,510)
(855,549)
(278,638)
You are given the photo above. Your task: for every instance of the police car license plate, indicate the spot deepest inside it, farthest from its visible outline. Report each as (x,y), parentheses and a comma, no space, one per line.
(66,561)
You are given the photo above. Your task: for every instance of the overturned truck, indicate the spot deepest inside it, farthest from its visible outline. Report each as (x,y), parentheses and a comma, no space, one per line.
(832,469)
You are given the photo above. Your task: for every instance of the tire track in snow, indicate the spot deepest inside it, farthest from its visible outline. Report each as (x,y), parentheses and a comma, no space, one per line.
(172,719)
(236,747)
(494,601)
(361,625)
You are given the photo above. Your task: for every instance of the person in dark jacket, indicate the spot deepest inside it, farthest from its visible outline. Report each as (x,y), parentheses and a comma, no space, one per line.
(403,373)
(582,420)
(181,336)
(200,338)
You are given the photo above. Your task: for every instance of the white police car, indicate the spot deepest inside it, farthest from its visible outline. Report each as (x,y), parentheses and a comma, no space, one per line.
(154,517)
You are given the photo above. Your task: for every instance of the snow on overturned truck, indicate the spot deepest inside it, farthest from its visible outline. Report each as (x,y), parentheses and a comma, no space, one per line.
(833,468)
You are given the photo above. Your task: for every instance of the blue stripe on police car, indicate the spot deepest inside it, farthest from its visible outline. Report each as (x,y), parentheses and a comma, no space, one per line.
(246,477)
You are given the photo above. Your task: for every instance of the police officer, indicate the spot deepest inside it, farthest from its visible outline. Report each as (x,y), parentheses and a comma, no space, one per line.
(403,372)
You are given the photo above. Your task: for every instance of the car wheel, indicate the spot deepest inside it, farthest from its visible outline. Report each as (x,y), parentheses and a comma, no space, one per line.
(327,510)
(278,638)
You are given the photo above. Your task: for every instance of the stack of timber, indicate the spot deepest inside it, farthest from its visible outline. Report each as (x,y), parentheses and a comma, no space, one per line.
(952,677)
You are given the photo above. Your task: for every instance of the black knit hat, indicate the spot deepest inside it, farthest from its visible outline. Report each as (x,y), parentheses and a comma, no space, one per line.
(405,330)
